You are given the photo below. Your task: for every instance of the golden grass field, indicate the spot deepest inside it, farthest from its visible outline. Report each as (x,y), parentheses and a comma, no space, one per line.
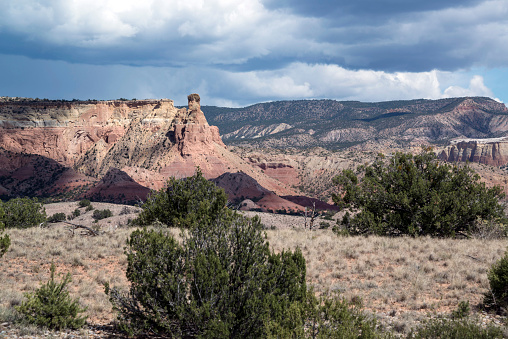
(400,280)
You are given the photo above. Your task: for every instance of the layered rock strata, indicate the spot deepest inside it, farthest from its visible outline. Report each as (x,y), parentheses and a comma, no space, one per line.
(146,140)
(489,151)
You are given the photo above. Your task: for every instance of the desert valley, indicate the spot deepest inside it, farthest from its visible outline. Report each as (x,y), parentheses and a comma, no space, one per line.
(276,160)
(274,153)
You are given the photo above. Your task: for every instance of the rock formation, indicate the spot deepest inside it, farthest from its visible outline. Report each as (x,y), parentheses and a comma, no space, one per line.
(240,187)
(117,186)
(127,144)
(487,151)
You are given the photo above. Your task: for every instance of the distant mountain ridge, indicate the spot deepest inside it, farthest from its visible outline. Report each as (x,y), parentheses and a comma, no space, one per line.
(330,123)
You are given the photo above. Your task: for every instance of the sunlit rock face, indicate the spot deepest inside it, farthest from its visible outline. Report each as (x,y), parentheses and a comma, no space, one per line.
(147,141)
(488,151)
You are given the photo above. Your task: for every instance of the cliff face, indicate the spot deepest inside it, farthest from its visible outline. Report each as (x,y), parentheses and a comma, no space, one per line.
(487,152)
(147,140)
(66,131)
(94,137)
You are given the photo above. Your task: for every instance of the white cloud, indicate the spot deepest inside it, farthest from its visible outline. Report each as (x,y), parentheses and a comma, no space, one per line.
(476,88)
(301,80)
(211,32)
(61,80)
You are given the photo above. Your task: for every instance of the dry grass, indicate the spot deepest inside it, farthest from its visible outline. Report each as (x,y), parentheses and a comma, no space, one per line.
(90,260)
(401,280)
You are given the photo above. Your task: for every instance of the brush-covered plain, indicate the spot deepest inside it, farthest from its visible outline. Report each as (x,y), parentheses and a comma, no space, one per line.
(401,281)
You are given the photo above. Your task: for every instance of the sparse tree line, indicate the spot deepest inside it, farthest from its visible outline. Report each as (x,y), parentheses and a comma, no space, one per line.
(29,212)
(221,280)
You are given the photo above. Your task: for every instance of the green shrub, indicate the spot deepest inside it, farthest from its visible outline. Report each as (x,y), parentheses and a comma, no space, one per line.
(89,208)
(84,203)
(76,213)
(497,297)
(23,213)
(51,306)
(462,311)
(183,202)
(416,195)
(455,329)
(324,225)
(57,217)
(5,241)
(101,214)
(221,280)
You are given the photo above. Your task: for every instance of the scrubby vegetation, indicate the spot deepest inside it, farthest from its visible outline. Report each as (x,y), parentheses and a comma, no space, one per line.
(219,277)
(222,280)
(182,202)
(101,214)
(76,213)
(455,329)
(23,213)
(497,296)
(416,195)
(51,306)
(5,241)
(84,203)
(57,217)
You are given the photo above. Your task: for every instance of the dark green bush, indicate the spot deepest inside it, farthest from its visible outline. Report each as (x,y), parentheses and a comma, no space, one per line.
(23,213)
(101,214)
(222,280)
(51,306)
(416,195)
(183,202)
(497,297)
(89,208)
(84,203)
(462,311)
(5,241)
(57,217)
(455,329)
(324,225)
(76,213)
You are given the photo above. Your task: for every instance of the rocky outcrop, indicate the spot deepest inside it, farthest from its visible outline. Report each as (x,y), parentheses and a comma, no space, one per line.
(65,131)
(35,175)
(193,134)
(283,172)
(118,187)
(487,151)
(240,186)
(148,141)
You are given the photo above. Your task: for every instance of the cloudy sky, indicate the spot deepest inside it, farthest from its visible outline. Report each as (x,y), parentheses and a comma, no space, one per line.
(239,52)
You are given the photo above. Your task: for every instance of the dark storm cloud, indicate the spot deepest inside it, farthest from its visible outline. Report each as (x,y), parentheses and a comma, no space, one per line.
(390,35)
(364,10)
(241,51)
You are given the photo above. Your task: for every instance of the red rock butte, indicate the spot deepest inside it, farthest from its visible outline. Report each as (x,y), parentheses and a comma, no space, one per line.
(149,140)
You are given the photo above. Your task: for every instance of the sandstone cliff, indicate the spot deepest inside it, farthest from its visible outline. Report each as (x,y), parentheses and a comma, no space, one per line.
(145,140)
(487,151)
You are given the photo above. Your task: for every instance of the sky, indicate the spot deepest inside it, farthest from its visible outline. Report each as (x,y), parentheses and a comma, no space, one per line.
(239,52)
